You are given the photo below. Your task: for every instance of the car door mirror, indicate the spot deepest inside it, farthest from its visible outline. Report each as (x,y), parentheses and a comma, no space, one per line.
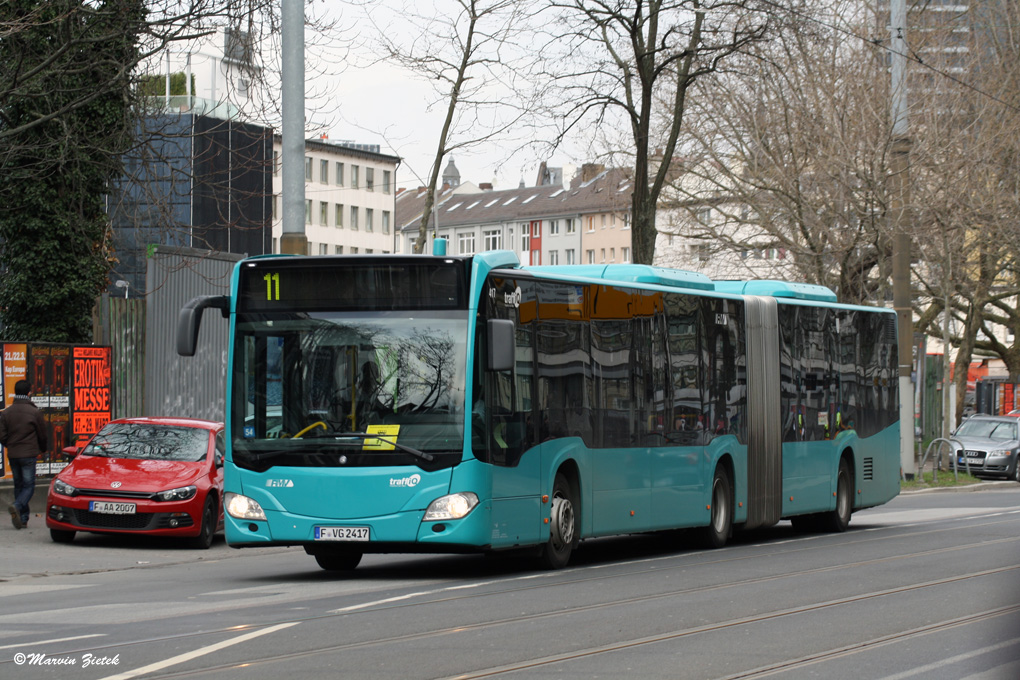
(218,460)
(70,451)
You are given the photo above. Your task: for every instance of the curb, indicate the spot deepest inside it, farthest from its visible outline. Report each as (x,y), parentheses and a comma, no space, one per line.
(980,486)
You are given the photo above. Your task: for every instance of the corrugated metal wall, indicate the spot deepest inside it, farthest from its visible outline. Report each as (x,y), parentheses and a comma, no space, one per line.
(120,323)
(185,386)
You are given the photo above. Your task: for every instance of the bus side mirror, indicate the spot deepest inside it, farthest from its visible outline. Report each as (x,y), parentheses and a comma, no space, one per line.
(190,319)
(500,342)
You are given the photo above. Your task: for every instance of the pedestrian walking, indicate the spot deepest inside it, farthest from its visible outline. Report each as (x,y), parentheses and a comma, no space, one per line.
(23,434)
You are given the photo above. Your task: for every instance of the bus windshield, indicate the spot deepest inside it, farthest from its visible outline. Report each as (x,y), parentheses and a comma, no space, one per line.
(309,388)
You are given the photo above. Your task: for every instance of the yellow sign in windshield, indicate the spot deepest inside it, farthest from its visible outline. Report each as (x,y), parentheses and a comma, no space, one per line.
(388,431)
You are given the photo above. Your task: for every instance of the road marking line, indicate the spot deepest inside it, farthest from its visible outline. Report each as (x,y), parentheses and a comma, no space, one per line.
(920,670)
(33,643)
(188,656)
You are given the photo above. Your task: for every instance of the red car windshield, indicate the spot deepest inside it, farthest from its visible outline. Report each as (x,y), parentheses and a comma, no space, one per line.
(149,442)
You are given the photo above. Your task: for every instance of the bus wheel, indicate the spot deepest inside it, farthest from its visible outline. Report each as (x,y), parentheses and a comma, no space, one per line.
(338,561)
(717,532)
(563,526)
(838,520)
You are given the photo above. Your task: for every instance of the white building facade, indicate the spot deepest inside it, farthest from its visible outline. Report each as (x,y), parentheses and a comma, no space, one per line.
(349,198)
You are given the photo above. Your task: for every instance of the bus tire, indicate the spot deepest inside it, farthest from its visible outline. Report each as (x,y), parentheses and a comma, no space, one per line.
(836,521)
(338,561)
(720,525)
(564,525)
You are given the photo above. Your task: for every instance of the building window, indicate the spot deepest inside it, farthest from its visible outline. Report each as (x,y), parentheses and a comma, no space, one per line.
(591,256)
(339,250)
(308,168)
(571,226)
(323,249)
(324,173)
(338,215)
(354,251)
(554,228)
(369,217)
(323,213)
(554,257)
(386,174)
(339,179)
(570,256)
(308,248)
(354,177)
(536,257)
(308,211)
(492,239)
(369,179)
(466,243)
(591,223)
(612,254)
(385,221)
(603,253)
(603,221)
(276,163)
(536,229)
(625,254)
(276,206)
(369,251)
(354,217)
(276,246)
(704,216)
(703,252)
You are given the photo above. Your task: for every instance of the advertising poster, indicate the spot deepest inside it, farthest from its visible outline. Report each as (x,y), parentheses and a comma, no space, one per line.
(15,368)
(92,384)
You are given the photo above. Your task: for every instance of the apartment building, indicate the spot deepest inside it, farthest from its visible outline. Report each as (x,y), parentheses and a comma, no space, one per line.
(349,198)
(587,222)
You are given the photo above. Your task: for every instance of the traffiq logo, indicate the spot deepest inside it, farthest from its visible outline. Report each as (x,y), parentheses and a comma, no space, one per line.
(408,482)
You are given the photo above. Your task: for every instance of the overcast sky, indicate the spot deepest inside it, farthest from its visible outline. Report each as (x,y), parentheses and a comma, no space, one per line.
(382,104)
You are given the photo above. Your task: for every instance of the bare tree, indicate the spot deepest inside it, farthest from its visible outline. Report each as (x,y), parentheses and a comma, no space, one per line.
(479,68)
(966,185)
(787,153)
(610,61)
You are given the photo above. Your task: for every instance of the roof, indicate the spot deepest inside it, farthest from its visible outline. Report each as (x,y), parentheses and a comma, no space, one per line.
(608,191)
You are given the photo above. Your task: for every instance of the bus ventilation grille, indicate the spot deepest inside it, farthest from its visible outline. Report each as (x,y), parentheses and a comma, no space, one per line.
(869,469)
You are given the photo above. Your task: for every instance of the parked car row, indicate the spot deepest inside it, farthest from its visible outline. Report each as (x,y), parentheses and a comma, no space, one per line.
(989,446)
(151,476)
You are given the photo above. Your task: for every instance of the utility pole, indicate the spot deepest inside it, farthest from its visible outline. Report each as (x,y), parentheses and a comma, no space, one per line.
(292,16)
(899,186)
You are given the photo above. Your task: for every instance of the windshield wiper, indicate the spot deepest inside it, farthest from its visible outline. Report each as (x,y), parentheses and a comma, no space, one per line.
(428,457)
(339,437)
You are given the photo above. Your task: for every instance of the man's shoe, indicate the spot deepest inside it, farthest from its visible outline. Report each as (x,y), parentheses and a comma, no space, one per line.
(15,516)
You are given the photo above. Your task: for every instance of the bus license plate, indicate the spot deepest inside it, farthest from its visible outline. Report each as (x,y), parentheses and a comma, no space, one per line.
(107,508)
(341,533)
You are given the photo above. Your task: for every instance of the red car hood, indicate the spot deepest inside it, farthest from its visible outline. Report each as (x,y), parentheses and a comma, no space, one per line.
(96,472)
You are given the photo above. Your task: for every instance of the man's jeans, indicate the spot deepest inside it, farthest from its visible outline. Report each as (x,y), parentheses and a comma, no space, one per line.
(23,470)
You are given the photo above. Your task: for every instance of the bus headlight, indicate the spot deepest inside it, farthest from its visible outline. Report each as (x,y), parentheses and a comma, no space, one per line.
(242,507)
(454,506)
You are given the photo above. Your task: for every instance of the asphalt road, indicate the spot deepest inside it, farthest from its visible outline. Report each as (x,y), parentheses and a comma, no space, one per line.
(927,586)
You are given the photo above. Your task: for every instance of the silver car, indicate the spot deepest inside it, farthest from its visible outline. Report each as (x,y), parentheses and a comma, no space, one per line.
(989,446)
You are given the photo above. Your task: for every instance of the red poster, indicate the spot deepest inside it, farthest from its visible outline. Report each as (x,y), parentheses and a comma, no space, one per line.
(92,383)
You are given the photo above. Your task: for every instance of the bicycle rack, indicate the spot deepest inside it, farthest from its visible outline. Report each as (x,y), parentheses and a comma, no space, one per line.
(954,446)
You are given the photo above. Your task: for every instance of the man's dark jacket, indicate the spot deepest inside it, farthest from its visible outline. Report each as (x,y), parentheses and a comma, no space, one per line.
(23,429)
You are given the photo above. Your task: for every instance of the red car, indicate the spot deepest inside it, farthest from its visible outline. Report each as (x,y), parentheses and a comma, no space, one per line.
(153,476)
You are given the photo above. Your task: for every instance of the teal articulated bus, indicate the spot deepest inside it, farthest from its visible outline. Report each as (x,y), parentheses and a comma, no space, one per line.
(383,404)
